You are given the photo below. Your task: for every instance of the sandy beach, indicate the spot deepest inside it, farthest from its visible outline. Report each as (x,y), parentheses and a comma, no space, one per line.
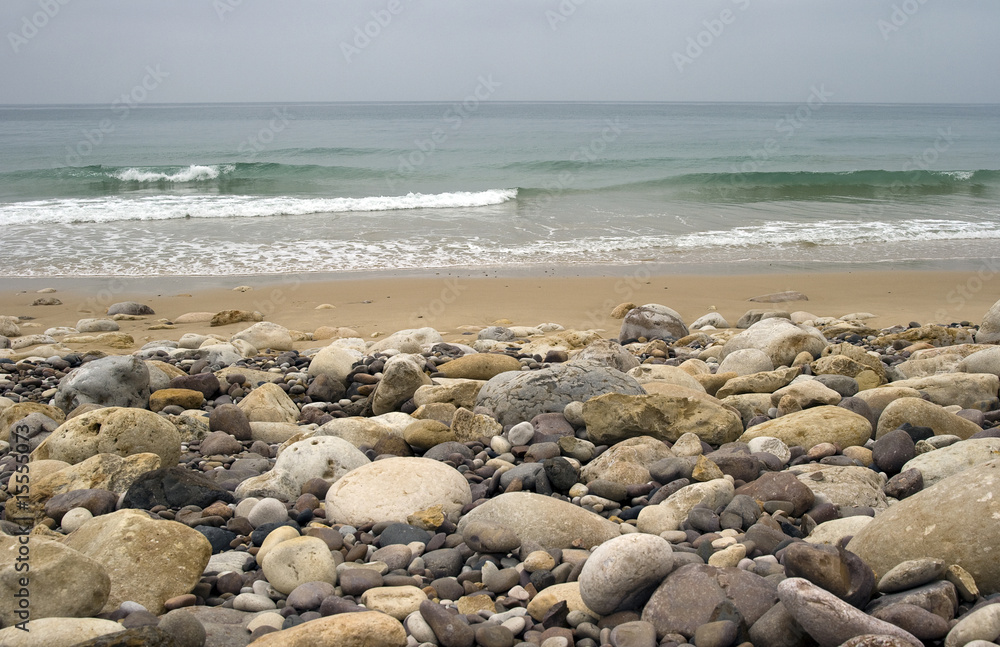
(457,302)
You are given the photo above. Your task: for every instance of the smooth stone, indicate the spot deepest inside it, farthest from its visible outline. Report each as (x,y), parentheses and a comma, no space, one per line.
(923,525)
(542,520)
(623,571)
(981,624)
(813,426)
(830,620)
(297,561)
(614,417)
(57,632)
(669,514)
(911,574)
(939,464)
(395,601)
(395,488)
(366,629)
(450,630)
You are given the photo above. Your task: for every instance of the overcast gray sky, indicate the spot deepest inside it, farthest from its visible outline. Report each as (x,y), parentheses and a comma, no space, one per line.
(92,51)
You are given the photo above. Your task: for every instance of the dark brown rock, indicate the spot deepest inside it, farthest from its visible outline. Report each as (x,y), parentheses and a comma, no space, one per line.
(97,501)
(220,443)
(206,383)
(780,486)
(230,419)
(834,569)
(450,629)
(893,450)
(921,623)
(146,636)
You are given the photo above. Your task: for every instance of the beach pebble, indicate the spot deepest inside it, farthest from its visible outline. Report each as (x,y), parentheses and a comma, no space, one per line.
(622,568)
(297,561)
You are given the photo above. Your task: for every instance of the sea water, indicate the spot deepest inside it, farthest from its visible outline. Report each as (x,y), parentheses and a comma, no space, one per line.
(210,190)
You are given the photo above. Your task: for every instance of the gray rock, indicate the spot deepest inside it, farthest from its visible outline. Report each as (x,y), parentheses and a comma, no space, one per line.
(548,522)
(114,381)
(925,524)
(939,598)
(911,574)
(97,325)
(517,397)
(609,353)
(941,463)
(623,572)
(652,321)
(779,338)
(981,624)
(130,308)
(689,596)
(184,627)
(830,620)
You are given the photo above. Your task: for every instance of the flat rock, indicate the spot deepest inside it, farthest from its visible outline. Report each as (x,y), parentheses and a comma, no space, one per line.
(920,412)
(924,524)
(113,430)
(395,488)
(58,632)
(543,520)
(830,620)
(947,461)
(367,629)
(825,424)
(967,390)
(480,366)
(844,485)
(669,514)
(130,308)
(614,417)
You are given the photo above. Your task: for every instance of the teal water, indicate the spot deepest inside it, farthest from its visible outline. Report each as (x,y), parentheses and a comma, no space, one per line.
(255,189)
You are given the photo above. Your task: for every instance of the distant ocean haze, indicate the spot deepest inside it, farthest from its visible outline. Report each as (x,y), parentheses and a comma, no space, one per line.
(269,189)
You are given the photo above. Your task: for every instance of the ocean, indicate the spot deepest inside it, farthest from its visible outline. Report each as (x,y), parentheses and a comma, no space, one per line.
(219,190)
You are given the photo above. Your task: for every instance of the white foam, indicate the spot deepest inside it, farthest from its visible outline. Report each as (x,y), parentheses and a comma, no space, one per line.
(168,207)
(193,173)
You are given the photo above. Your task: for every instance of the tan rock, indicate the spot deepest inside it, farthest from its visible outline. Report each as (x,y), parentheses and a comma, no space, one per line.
(299,560)
(668,515)
(920,412)
(480,366)
(764,382)
(68,583)
(424,434)
(568,592)
(932,334)
(967,390)
(148,561)
(663,374)
(227,317)
(626,462)
(185,398)
(622,309)
(460,393)
(468,426)
(878,399)
(369,629)
(613,417)
(269,403)
(58,632)
(825,424)
(123,431)
(19,410)
(395,601)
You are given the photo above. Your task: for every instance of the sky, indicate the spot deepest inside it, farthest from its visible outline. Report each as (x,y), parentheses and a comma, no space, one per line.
(195,51)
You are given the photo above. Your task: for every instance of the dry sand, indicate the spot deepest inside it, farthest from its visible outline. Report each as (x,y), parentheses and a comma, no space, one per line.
(455,303)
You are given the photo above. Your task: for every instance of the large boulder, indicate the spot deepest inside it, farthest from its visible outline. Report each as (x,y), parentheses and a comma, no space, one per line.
(266,334)
(779,339)
(395,488)
(58,632)
(652,321)
(115,381)
(515,397)
(542,520)
(335,361)
(956,520)
(826,424)
(115,430)
(621,573)
(325,457)
(402,376)
(104,471)
(269,403)
(69,584)
(613,417)
(148,561)
(989,329)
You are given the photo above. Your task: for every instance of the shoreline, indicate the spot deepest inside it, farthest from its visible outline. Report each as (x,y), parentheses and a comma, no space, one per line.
(456,302)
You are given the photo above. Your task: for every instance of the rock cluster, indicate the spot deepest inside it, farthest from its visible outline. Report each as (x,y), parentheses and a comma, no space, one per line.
(792,481)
